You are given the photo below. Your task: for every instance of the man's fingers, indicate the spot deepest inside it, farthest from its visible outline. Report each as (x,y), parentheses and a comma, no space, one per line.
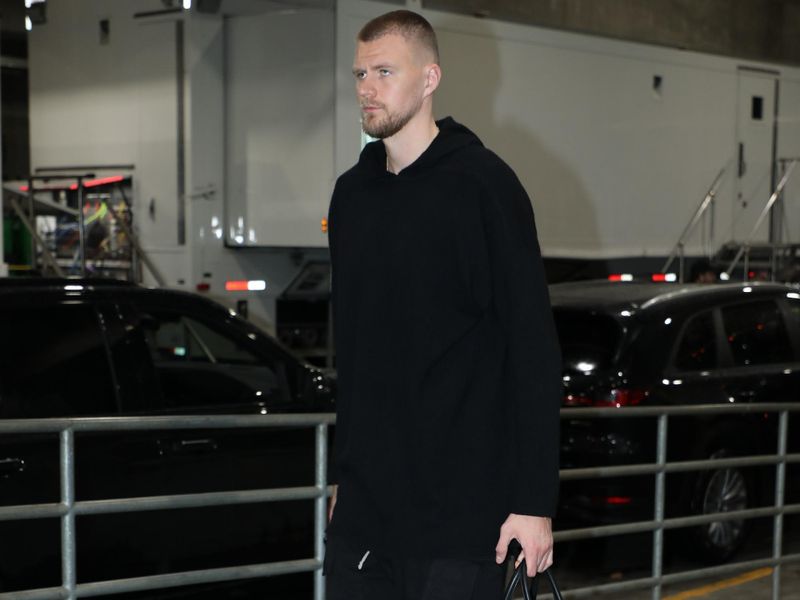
(541,557)
(519,560)
(501,549)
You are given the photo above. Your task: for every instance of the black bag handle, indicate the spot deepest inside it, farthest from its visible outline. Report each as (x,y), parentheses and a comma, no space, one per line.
(520,577)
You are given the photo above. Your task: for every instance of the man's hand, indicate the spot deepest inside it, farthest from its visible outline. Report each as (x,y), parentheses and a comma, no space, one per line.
(332,502)
(534,534)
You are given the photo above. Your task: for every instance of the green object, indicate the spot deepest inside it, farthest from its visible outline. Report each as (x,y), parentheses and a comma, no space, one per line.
(16,244)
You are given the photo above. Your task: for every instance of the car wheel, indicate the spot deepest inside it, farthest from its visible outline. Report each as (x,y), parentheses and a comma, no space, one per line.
(715,491)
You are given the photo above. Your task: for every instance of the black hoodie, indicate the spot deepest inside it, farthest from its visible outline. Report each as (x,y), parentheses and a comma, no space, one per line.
(447,357)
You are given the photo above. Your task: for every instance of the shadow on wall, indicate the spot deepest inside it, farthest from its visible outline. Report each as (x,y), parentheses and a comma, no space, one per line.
(476,90)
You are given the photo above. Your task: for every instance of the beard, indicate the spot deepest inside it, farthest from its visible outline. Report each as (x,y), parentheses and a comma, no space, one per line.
(386,127)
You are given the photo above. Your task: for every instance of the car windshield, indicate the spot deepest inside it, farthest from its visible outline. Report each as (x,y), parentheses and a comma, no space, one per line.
(588,341)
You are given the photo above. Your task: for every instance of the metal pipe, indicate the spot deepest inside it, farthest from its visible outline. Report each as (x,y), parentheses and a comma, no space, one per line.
(68,577)
(320,506)
(170,580)
(765,211)
(780,488)
(683,577)
(704,204)
(81,228)
(587,533)
(658,532)
(676,467)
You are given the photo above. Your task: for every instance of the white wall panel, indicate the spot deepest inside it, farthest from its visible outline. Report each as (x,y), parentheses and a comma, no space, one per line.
(279,123)
(789,146)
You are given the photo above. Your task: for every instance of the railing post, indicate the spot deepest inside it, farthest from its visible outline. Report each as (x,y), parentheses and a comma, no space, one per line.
(658,532)
(67,468)
(780,486)
(321,508)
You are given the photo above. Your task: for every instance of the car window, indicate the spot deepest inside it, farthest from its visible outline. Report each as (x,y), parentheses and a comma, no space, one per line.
(757,334)
(697,348)
(197,364)
(184,339)
(588,341)
(53,363)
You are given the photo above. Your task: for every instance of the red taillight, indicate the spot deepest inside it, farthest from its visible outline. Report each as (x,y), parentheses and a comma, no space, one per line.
(577,400)
(617,500)
(617,398)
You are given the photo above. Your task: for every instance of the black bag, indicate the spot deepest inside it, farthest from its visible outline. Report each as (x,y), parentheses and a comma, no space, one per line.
(520,578)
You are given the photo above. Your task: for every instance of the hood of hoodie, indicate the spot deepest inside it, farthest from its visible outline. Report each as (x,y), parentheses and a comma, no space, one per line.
(451,138)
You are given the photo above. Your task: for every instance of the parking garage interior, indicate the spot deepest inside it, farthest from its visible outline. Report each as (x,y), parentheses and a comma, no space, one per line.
(167,169)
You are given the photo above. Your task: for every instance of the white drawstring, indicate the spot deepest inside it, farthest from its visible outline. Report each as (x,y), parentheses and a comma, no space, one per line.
(363,558)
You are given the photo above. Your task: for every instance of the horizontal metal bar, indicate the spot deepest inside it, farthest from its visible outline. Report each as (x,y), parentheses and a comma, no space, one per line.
(584,533)
(311,419)
(121,505)
(172,422)
(599,531)
(32,511)
(675,578)
(674,467)
(118,505)
(55,593)
(171,580)
(686,410)
(85,590)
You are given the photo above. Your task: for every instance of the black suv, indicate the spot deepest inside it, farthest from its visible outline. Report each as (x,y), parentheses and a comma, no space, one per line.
(627,344)
(105,348)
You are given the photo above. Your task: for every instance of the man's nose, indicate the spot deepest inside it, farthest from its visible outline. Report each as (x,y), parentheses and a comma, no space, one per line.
(365,89)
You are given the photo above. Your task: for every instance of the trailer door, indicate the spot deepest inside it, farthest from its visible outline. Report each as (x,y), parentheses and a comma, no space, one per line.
(755,150)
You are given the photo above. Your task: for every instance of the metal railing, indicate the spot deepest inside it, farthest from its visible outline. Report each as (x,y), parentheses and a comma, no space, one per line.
(705,204)
(69,507)
(788,165)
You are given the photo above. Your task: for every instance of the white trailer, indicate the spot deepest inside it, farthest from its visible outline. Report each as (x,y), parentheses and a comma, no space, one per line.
(236,124)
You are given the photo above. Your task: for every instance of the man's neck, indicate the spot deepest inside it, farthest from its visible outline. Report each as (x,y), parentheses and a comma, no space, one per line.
(406,146)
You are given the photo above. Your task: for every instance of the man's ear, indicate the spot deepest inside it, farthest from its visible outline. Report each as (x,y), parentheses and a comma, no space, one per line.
(433,75)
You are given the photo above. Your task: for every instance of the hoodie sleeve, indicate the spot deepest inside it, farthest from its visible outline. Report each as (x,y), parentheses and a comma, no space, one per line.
(533,362)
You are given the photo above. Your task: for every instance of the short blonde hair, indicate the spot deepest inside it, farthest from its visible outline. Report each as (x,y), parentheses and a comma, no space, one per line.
(410,25)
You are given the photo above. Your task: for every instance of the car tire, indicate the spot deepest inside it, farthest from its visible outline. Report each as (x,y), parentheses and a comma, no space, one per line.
(720,490)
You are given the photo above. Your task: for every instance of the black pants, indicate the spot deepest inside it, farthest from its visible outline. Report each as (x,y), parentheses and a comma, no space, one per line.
(356,574)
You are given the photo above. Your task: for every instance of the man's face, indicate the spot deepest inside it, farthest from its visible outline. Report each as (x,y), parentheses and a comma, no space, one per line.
(390,84)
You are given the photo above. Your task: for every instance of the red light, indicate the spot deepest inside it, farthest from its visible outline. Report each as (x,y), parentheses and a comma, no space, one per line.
(659,277)
(615,277)
(102,181)
(203,286)
(23,188)
(617,398)
(236,286)
(622,397)
(618,500)
(577,400)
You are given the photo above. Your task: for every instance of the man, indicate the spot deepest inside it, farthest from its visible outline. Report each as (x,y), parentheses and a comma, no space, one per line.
(449,367)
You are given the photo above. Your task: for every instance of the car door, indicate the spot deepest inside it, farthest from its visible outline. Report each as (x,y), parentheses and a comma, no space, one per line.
(203,364)
(53,363)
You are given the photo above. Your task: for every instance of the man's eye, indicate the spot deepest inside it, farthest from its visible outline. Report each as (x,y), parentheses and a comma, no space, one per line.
(384,72)
(360,75)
